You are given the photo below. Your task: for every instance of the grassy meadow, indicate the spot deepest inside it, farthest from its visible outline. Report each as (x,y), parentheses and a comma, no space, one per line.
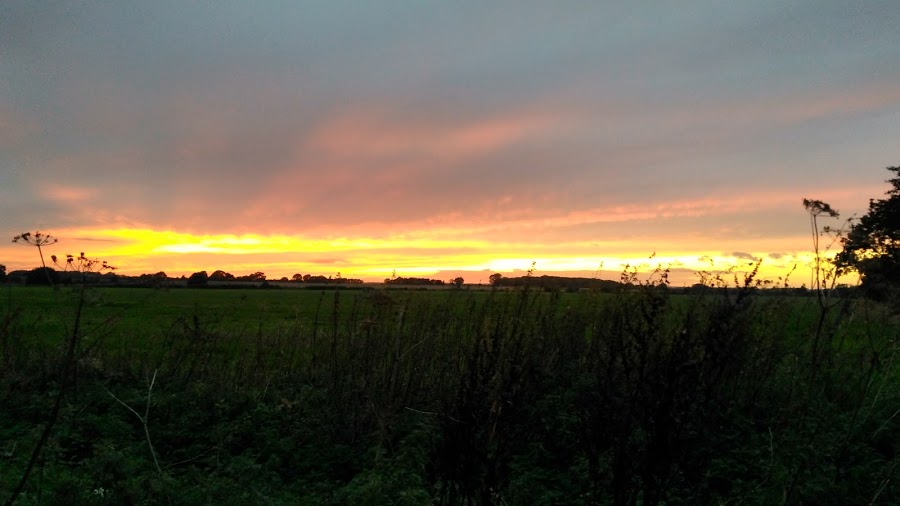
(252,396)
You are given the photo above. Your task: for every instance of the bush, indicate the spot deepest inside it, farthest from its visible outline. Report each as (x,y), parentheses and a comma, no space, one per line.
(198,279)
(42,276)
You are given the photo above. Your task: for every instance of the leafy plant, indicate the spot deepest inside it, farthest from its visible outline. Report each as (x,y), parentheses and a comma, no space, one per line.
(39,240)
(872,246)
(68,369)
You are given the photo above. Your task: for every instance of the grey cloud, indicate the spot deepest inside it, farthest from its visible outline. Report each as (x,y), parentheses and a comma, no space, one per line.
(197,116)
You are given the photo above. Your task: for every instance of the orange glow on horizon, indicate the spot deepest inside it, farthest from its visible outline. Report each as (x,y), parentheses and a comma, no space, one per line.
(143,250)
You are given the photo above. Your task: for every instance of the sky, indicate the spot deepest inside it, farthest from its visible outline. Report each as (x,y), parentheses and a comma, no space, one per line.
(437,139)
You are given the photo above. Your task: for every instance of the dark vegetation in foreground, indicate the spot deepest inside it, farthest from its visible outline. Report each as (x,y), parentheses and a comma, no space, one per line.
(454,397)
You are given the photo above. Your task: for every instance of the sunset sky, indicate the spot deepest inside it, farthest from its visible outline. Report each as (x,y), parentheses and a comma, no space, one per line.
(441,138)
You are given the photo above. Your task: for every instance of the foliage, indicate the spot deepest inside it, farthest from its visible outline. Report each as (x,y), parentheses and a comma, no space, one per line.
(413,281)
(156,280)
(456,397)
(64,368)
(256,276)
(42,276)
(221,276)
(198,279)
(557,283)
(872,246)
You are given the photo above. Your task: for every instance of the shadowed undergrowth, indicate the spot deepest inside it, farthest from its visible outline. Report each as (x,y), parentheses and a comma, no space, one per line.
(523,397)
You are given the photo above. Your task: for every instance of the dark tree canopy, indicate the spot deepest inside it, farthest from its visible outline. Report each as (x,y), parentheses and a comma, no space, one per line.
(256,276)
(872,246)
(157,279)
(42,276)
(221,276)
(413,281)
(198,279)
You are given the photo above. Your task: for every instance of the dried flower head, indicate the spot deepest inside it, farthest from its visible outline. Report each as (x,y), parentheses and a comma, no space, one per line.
(36,239)
(817,207)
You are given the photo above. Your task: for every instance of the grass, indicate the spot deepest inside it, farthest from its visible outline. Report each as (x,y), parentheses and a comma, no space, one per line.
(451,397)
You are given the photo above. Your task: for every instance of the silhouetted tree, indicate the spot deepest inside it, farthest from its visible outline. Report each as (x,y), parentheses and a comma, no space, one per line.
(42,276)
(495,278)
(256,276)
(157,279)
(198,279)
(2,273)
(872,246)
(221,276)
(413,281)
(458,281)
(297,278)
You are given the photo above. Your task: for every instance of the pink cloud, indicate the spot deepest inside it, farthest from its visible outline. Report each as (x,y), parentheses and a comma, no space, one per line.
(68,194)
(371,134)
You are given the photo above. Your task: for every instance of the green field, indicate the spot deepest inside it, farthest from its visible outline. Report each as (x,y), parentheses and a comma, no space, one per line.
(140,317)
(446,397)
